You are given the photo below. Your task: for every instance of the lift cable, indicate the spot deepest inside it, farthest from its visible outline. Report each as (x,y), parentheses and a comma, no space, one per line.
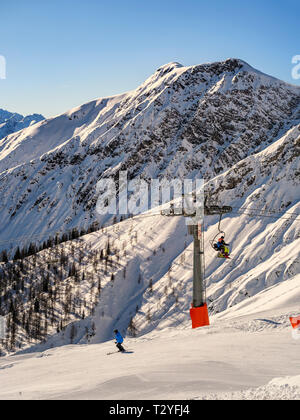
(241,211)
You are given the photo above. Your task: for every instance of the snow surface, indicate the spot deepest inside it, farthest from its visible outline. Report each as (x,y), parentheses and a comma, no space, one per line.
(221,361)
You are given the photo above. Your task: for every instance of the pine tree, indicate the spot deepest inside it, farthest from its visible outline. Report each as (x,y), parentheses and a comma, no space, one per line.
(151,286)
(36,306)
(132,328)
(4,257)
(17,255)
(73,332)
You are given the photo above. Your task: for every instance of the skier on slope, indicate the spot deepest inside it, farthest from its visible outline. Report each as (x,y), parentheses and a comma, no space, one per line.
(119,340)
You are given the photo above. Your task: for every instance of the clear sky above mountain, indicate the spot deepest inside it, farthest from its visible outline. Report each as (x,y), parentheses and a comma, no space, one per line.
(60,54)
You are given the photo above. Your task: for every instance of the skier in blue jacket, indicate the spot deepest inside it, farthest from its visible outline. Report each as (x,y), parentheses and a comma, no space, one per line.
(119,340)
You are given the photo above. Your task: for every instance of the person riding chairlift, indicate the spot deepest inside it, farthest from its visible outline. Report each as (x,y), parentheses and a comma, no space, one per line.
(221,246)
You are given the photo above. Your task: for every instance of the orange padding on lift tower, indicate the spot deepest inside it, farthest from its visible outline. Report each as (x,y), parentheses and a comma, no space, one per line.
(199,316)
(295,321)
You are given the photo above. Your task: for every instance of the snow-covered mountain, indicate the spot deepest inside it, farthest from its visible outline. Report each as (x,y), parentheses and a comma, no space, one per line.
(12,122)
(182,122)
(235,126)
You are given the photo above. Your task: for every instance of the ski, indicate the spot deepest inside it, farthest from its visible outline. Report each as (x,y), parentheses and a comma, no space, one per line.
(114,352)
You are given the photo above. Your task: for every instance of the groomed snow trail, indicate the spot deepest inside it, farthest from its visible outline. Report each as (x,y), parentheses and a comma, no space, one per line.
(227,360)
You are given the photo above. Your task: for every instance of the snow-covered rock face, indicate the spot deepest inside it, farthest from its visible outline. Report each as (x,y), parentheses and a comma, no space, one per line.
(263,230)
(181,122)
(12,122)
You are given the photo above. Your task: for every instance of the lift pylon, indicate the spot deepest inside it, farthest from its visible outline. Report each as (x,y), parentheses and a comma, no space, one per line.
(199,310)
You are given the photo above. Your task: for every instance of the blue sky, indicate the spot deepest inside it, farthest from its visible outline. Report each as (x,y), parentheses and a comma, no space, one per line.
(61,54)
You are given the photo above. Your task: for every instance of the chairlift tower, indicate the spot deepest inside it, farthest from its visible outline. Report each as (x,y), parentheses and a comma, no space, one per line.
(198,311)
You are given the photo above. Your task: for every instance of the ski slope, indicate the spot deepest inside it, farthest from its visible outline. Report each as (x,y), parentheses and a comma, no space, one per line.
(237,357)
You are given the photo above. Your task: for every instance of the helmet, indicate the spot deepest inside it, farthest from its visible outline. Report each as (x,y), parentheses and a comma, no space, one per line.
(222,237)
(115,331)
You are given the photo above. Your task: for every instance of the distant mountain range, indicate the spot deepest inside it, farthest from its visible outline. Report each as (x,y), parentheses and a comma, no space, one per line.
(10,122)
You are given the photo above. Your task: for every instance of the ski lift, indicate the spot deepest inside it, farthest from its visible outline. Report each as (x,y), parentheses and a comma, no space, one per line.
(223,250)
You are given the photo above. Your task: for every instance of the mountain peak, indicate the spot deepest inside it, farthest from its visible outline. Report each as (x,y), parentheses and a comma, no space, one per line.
(169,67)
